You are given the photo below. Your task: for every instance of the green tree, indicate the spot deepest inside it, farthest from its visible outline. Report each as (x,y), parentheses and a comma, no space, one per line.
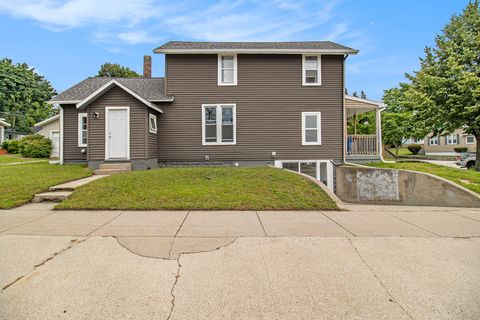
(115,70)
(398,121)
(23,95)
(445,92)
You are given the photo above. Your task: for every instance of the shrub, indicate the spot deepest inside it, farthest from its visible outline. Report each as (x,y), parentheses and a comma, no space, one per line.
(414,148)
(11,146)
(460,149)
(35,146)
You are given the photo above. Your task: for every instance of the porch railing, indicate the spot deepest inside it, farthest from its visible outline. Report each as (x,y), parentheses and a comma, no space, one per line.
(362,144)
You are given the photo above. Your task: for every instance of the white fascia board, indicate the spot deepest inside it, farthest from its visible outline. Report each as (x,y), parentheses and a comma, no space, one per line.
(377,103)
(64,102)
(44,122)
(258,51)
(5,124)
(106,87)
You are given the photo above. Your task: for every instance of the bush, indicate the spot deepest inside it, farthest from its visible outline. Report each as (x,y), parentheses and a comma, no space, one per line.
(11,146)
(460,149)
(35,146)
(414,148)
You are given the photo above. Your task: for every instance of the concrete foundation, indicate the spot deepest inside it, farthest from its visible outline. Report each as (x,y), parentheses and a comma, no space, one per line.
(137,164)
(401,187)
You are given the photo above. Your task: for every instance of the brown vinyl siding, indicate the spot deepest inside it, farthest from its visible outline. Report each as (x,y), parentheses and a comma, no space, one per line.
(269,102)
(71,151)
(152,138)
(117,97)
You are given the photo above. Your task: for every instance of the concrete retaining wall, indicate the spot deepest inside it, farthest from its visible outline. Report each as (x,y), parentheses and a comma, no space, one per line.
(401,187)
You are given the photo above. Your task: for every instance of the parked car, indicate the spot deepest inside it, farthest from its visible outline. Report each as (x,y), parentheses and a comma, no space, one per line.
(466,160)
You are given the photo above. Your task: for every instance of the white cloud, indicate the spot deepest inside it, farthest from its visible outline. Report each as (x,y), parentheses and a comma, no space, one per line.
(127,22)
(79,13)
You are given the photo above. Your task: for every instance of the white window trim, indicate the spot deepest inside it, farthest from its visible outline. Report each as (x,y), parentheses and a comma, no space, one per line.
(469,136)
(219,70)
(319,128)
(434,139)
(150,129)
(452,136)
(219,124)
(80,116)
(106,131)
(319,70)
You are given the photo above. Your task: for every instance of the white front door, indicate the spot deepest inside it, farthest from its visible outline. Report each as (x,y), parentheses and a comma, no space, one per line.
(55,137)
(117,133)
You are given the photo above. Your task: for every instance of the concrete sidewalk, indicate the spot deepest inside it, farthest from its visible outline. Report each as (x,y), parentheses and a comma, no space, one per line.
(372,262)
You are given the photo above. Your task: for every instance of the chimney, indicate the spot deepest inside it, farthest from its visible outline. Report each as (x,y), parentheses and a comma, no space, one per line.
(147,66)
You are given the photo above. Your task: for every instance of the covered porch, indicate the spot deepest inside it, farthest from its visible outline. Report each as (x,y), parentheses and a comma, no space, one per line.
(363,129)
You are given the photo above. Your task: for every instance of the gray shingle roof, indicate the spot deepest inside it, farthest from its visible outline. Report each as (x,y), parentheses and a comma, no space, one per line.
(151,89)
(300,46)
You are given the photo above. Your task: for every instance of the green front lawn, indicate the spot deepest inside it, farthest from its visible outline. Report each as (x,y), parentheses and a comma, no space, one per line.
(201,188)
(19,183)
(470,179)
(12,158)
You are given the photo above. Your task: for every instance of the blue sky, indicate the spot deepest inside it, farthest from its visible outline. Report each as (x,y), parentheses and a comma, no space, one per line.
(67,41)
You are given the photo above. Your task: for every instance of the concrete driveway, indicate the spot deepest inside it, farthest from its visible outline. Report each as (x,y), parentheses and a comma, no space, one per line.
(372,262)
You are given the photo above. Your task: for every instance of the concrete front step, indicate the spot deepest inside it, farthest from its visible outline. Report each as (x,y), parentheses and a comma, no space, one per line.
(55,196)
(72,185)
(108,172)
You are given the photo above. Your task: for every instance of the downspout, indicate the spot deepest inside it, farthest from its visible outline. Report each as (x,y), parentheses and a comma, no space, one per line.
(61,135)
(344,124)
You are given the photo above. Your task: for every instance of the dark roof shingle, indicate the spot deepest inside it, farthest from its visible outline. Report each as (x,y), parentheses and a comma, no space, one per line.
(151,89)
(294,45)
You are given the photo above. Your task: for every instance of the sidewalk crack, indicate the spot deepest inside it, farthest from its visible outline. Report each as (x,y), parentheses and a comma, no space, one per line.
(392,298)
(177,275)
(176,233)
(73,242)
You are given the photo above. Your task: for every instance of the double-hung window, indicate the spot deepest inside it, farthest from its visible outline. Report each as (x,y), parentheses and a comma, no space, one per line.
(469,139)
(82,129)
(227,69)
(452,139)
(311,70)
(311,128)
(433,141)
(218,124)
(152,123)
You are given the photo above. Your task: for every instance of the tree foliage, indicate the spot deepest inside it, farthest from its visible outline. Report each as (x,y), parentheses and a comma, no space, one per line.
(115,70)
(399,122)
(445,92)
(23,95)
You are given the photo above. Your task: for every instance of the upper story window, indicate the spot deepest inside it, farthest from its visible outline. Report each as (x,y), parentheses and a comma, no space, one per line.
(311,70)
(82,129)
(452,139)
(152,123)
(311,128)
(227,69)
(433,141)
(218,124)
(470,139)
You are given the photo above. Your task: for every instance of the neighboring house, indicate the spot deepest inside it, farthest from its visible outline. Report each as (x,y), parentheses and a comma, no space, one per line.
(240,103)
(12,134)
(3,125)
(444,145)
(50,128)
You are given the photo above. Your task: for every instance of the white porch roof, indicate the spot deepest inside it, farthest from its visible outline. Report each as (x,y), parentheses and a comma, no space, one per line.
(355,105)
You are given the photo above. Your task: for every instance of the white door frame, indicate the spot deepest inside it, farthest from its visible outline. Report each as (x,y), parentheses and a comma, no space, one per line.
(106,130)
(51,136)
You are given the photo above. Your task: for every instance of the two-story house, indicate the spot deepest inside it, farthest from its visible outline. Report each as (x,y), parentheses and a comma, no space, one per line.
(237,103)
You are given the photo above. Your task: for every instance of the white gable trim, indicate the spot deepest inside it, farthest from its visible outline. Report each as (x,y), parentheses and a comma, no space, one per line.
(5,124)
(46,121)
(107,87)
